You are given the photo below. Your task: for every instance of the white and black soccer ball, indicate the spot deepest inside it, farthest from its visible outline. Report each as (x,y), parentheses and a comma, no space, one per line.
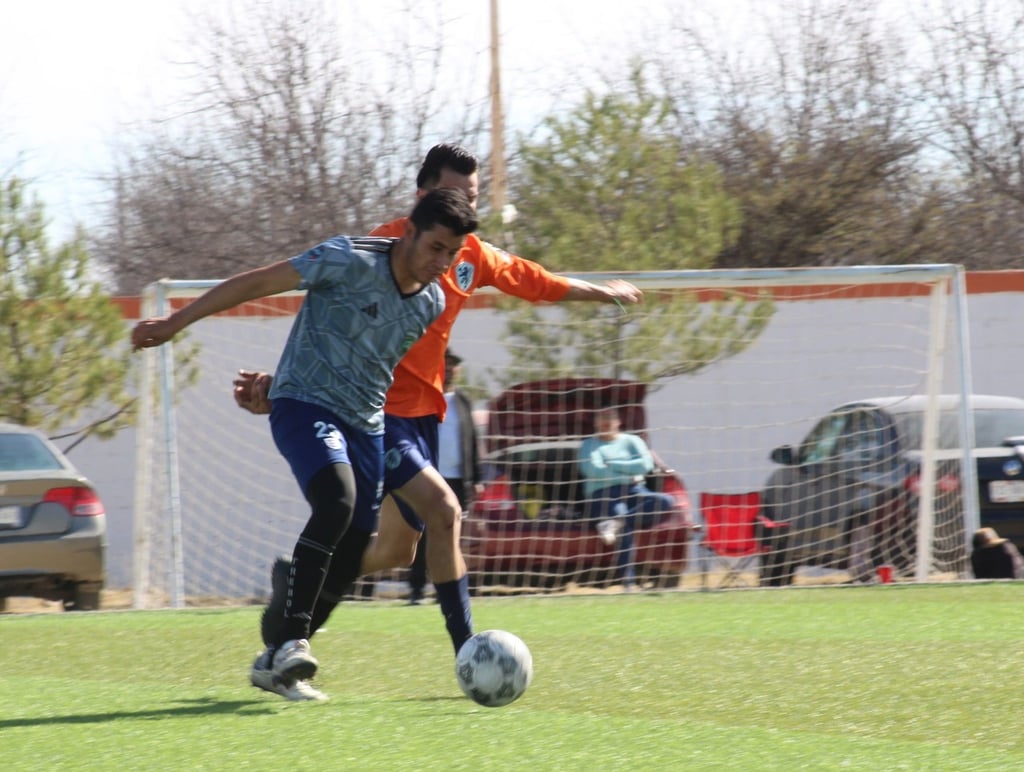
(494,668)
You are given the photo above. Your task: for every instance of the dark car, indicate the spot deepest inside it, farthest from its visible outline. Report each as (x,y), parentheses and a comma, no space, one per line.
(850,490)
(527,527)
(53,530)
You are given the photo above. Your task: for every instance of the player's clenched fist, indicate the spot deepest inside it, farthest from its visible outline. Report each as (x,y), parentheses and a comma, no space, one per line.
(624,292)
(251,391)
(153,332)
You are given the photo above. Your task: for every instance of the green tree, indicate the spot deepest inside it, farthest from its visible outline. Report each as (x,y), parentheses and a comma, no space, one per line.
(815,120)
(611,188)
(63,358)
(671,334)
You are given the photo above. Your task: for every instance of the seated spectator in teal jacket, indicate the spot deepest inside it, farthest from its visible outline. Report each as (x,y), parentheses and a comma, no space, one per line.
(614,465)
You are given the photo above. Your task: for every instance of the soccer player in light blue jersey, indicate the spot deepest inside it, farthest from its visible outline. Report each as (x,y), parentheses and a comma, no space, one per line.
(368,300)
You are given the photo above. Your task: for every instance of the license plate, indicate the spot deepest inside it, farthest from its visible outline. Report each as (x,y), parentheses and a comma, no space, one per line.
(10,517)
(1005,491)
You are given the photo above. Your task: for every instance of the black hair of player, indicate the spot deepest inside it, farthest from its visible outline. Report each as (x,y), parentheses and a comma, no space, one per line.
(446,207)
(444,156)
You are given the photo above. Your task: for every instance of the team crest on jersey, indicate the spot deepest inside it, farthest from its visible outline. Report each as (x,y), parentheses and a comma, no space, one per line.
(464,275)
(392,458)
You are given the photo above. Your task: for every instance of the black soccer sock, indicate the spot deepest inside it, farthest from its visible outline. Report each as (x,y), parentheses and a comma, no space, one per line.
(331,494)
(309,567)
(453,598)
(343,571)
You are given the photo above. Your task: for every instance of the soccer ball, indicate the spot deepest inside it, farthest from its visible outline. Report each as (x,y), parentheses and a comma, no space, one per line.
(494,668)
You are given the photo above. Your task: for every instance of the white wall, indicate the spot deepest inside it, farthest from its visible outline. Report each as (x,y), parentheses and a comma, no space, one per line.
(716,428)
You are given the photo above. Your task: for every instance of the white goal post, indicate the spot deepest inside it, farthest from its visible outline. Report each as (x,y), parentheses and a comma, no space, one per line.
(215,503)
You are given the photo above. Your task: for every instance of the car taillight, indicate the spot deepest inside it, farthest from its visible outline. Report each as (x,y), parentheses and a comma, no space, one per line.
(946,483)
(497,490)
(79,501)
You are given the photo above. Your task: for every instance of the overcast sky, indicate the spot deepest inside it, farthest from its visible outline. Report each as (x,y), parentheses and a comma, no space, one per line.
(74,72)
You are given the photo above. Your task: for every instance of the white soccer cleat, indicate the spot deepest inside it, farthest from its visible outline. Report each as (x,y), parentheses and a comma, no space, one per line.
(609,530)
(262,677)
(294,661)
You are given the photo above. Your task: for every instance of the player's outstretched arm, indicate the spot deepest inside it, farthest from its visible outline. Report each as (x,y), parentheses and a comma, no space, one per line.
(615,291)
(250,285)
(251,390)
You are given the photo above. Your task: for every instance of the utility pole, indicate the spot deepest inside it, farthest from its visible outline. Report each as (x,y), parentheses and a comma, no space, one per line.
(499,176)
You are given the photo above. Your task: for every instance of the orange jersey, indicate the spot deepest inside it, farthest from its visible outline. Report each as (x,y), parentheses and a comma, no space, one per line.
(418,389)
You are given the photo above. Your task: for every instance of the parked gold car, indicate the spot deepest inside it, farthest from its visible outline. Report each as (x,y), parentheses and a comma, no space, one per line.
(53,529)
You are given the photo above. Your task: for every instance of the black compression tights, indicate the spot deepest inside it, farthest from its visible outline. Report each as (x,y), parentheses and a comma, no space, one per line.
(343,571)
(332,498)
(331,495)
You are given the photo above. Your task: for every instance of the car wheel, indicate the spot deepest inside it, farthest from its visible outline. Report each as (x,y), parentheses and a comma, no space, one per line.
(667,580)
(596,577)
(83,599)
(554,582)
(659,578)
(777,568)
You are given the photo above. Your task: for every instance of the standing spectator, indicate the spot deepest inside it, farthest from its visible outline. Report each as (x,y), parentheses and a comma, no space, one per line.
(614,465)
(994,557)
(458,461)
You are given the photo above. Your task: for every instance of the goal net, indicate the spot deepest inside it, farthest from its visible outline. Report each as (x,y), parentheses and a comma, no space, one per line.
(828,400)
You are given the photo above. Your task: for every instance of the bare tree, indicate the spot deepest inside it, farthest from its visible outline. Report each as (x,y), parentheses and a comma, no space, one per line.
(972,79)
(294,133)
(810,118)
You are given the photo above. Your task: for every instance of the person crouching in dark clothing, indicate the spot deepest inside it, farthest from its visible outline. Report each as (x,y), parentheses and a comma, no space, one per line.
(994,557)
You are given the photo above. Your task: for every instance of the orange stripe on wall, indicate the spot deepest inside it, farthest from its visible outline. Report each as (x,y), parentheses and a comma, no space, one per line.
(987,282)
(277,305)
(978,283)
(130,305)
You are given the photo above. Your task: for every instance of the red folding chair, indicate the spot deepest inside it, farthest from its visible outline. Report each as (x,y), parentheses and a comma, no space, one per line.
(730,536)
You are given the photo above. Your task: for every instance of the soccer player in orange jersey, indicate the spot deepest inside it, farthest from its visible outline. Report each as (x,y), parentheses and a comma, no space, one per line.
(414,408)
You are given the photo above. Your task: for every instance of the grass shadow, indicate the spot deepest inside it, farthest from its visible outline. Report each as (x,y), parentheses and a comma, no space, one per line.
(199,707)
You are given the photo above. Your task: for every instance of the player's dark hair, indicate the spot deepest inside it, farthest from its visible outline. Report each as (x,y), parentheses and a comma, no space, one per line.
(447,207)
(441,157)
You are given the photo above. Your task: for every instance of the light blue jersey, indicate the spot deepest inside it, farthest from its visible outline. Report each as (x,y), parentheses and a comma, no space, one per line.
(352,329)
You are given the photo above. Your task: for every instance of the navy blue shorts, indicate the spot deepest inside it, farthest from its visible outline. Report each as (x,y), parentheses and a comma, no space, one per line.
(312,437)
(410,446)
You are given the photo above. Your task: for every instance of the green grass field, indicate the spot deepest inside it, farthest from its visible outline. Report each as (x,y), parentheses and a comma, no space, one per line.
(874,678)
